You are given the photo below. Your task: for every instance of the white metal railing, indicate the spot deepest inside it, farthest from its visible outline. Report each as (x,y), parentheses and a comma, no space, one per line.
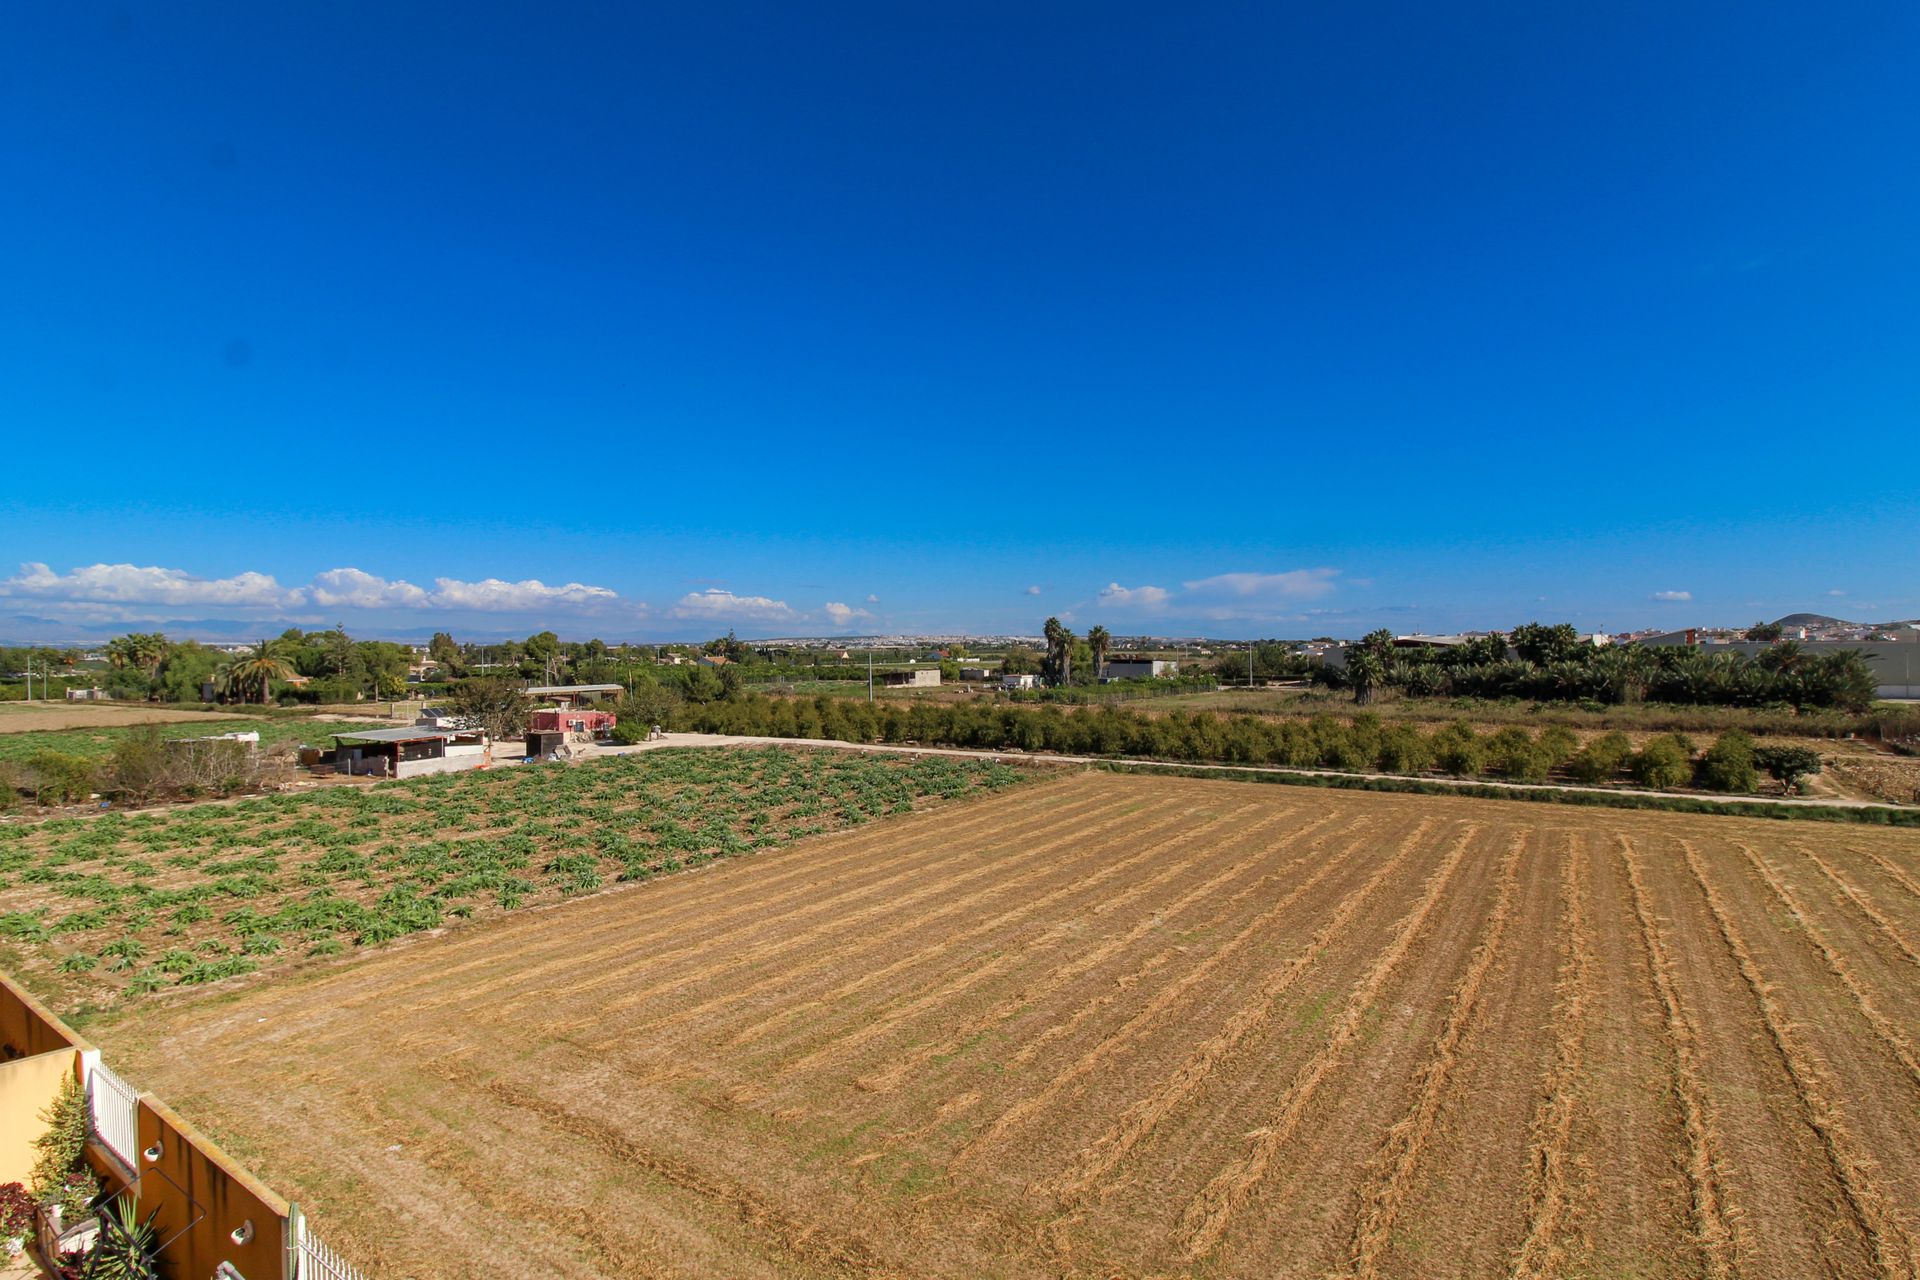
(317,1262)
(114,1110)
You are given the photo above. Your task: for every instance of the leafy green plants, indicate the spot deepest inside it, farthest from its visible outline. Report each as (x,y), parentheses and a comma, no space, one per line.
(180,898)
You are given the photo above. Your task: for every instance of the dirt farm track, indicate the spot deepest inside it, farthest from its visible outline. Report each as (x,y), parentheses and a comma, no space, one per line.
(1109,1025)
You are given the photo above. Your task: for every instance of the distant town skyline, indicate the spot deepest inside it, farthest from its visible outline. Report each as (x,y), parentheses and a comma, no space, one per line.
(1244,319)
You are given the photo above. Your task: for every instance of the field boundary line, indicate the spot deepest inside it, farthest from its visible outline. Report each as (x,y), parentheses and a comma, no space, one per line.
(890,1077)
(1129,1030)
(1850,1165)
(1211,1211)
(1540,1254)
(1778,807)
(1406,1141)
(1836,964)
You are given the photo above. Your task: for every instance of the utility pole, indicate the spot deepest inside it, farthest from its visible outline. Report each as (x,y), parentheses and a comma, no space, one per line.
(1249,664)
(869,677)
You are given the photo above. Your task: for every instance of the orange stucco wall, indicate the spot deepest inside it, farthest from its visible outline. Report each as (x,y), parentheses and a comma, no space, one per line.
(203,1198)
(28,1027)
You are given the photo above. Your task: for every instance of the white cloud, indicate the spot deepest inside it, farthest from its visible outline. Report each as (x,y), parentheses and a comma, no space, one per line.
(873,599)
(717,605)
(492,595)
(842,615)
(1033,590)
(1119,597)
(125,592)
(1672,597)
(357,589)
(1836,592)
(1294,584)
(127,584)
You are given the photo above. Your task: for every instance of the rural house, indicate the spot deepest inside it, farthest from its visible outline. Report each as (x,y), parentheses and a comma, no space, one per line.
(411,752)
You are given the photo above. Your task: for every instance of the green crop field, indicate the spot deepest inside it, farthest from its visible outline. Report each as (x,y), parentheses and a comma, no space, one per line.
(98,910)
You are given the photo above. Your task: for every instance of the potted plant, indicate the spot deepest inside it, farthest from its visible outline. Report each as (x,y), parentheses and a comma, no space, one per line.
(63,1186)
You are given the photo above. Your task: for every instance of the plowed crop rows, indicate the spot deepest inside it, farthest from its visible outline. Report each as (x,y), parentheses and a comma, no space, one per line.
(1114,1025)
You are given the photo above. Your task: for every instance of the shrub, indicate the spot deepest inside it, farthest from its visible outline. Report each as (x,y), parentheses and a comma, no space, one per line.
(57,777)
(1601,759)
(1457,750)
(1514,754)
(1728,764)
(1560,743)
(1664,763)
(1403,750)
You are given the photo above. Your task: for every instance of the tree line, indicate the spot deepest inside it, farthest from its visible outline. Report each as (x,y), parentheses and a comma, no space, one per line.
(1553,664)
(1362,744)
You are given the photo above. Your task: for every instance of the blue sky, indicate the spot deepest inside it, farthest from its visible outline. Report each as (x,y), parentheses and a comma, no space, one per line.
(1231,319)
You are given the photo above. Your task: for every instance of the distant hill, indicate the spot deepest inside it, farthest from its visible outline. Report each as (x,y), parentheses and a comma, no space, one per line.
(1822,620)
(1812,620)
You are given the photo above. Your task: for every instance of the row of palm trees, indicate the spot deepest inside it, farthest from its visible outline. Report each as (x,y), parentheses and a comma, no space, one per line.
(1058,663)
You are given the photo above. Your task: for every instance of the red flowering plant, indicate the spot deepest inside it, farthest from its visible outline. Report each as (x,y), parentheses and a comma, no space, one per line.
(16,1212)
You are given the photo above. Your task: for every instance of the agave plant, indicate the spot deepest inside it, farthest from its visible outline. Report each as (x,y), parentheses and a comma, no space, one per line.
(126,1246)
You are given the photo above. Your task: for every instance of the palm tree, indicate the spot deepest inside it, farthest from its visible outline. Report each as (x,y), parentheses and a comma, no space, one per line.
(1055,647)
(254,671)
(1364,670)
(1099,640)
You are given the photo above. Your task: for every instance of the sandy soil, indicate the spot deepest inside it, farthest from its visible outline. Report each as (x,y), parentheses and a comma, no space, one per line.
(1114,1025)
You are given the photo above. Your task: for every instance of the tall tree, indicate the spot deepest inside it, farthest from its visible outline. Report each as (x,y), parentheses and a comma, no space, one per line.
(444,652)
(1099,639)
(1060,640)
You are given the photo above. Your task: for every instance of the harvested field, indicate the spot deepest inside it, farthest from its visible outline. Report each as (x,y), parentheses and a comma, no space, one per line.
(39,717)
(1115,1025)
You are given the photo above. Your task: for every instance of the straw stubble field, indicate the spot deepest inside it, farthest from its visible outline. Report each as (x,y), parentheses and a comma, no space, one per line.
(1115,1025)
